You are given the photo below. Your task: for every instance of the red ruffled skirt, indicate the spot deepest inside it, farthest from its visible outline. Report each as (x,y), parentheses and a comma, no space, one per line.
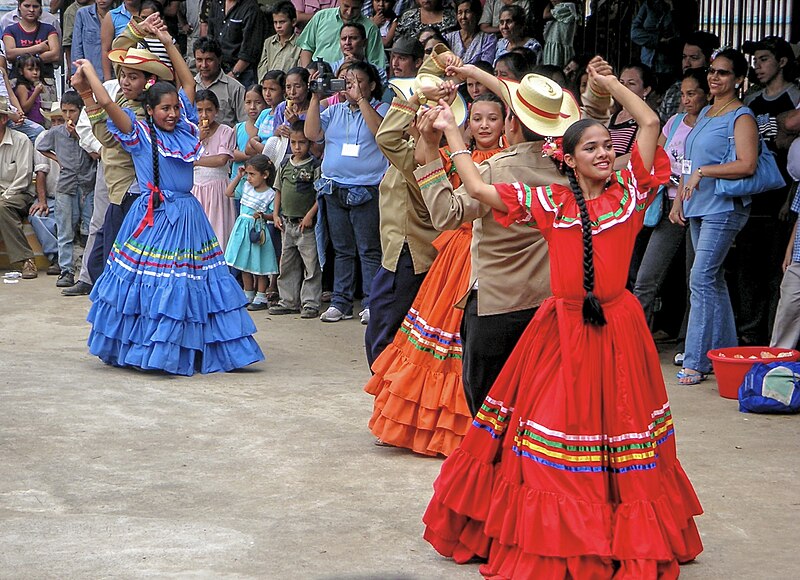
(419,398)
(570,469)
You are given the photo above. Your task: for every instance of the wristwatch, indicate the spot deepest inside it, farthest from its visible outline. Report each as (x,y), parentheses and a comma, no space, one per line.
(235,74)
(700,172)
(422,98)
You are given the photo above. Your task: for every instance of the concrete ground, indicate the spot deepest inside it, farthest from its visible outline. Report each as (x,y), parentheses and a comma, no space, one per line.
(271,472)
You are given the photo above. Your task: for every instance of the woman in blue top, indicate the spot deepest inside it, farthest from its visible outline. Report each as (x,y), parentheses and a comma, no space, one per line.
(353,167)
(166,299)
(714,220)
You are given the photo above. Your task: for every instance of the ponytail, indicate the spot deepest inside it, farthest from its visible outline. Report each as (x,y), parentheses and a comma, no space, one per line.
(154,149)
(592,310)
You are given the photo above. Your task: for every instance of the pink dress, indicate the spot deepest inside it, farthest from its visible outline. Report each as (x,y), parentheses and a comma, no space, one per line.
(210,183)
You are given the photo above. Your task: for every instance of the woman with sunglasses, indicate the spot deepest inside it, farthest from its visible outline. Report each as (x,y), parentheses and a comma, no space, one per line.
(714,220)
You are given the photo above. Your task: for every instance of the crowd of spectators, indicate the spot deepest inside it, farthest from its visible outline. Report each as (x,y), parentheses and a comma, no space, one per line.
(260,71)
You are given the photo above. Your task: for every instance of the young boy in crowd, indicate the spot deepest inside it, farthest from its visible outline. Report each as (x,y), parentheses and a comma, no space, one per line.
(42,212)
(786,331)
(300,280)
(280,50)
(75,193)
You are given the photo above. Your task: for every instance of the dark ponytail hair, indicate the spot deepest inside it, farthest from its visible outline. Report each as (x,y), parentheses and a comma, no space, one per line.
(152,97)
(592,310)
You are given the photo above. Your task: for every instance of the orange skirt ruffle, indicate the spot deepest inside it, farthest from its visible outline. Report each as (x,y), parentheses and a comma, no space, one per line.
(419,397)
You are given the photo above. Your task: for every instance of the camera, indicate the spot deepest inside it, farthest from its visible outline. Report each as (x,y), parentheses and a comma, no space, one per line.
(326,84)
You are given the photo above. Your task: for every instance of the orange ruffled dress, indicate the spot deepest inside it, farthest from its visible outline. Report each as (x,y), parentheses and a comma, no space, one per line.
(570,469)
(419,397)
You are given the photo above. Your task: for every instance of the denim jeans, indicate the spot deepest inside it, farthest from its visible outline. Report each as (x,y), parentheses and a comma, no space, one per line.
(711,322)
(45,229)
(661,249)
(71,211)
(30,129)
(353,229)
(100,206)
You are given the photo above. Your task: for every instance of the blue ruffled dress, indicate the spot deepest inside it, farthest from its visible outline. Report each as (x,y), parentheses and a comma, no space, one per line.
(166,299)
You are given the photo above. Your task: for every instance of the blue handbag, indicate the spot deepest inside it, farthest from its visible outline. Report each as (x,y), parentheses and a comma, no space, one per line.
(654,213)
(766,178)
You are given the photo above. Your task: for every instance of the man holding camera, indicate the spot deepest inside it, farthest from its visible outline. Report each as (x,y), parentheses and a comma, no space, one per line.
(320,37)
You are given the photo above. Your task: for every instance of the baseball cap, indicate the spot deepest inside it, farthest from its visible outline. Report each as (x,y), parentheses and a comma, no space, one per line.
(408,45)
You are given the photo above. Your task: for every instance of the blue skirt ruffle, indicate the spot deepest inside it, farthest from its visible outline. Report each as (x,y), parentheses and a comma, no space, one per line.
(166,299)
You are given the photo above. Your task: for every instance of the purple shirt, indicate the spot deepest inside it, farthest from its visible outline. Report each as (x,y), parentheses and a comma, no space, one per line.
(482,47)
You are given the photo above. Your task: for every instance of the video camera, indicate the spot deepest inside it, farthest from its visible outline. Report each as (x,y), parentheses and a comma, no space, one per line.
(326,84)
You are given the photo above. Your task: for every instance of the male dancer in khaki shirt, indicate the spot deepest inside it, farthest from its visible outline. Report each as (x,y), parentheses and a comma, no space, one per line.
(510,266)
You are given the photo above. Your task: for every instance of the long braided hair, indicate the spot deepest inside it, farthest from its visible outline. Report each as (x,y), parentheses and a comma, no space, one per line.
(592,310)
(152,97)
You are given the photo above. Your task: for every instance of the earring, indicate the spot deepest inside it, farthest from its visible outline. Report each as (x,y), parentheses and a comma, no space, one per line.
(737,85)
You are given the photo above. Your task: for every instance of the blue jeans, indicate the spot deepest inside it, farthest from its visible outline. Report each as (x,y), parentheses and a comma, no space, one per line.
(661,249)
(30,129)
(45,229)
(353,228)
(71,211)
(711,323)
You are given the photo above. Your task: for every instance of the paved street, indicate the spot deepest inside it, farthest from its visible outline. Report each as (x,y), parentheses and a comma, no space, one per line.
(271,472)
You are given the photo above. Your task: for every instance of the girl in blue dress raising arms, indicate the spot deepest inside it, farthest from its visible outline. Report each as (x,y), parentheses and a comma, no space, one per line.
(166,299)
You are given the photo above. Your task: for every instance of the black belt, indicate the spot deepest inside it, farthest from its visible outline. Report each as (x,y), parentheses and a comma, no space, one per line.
(293,220)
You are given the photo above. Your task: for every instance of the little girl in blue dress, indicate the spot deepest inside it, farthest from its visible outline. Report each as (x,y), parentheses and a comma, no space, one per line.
(256,260)
(166,299)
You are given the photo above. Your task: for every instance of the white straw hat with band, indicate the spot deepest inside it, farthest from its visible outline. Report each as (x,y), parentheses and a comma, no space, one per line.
(406,87)
(143,60)
(541,104)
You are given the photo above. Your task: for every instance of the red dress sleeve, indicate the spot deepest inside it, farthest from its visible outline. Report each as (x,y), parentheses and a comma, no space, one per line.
(518,198)
(642,181)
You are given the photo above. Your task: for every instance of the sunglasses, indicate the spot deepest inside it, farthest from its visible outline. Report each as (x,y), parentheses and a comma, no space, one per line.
(721,72)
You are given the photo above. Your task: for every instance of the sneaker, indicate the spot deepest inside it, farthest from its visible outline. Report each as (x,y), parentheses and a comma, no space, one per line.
(29,271)
(66,280)
(333,314)
(53,269)
(256,306)
(280,309)
(79,289)
(309,313)
(364,314)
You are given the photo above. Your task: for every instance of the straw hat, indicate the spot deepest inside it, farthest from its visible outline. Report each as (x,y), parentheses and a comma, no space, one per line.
(143,60)
(55,111)
(541,104)
(404,88)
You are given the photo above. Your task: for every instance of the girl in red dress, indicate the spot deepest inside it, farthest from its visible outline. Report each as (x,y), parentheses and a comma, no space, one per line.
(569,469)
(419,399)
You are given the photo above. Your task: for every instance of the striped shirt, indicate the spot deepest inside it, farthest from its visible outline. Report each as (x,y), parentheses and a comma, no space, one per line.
(796,249)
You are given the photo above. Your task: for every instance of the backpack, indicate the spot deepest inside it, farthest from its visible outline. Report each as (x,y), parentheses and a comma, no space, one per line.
(771,388)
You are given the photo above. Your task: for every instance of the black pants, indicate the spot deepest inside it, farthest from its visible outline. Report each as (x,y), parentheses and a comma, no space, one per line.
(487,342)
(390,297)
(105,236)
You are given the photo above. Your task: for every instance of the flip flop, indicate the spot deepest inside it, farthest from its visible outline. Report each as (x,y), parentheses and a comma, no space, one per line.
(690,378)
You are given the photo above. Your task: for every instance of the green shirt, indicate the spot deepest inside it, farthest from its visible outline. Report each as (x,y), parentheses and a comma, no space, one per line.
(321,37)
(296,184)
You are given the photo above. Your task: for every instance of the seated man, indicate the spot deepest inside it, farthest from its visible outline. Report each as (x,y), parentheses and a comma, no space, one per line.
(16,167)
(42,212)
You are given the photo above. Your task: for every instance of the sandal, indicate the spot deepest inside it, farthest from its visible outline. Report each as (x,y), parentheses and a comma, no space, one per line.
(690,377)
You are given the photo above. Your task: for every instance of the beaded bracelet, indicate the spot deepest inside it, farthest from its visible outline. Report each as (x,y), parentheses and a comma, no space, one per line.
(460,152)
(86,95)
(135,30)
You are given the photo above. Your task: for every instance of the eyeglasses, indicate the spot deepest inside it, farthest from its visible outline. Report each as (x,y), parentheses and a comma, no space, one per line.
(720,72)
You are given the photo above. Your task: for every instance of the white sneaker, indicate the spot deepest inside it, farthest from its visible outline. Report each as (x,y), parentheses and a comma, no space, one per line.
(333,314)
(364,314)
